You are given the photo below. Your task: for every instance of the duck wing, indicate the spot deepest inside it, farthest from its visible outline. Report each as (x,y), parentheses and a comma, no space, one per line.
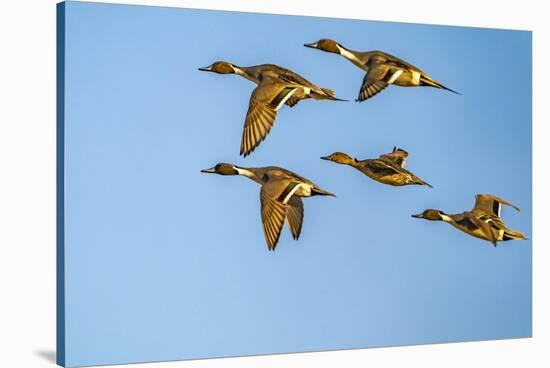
(274,212)
(374,82)
(397,156)
(472,223)
(488,226)
(279,202)
(266,99)
(276,173)
(488,204)
(292,101)
(295,216)
(384,69)
(381,167)
(394,61)
(316,92)
(288,76)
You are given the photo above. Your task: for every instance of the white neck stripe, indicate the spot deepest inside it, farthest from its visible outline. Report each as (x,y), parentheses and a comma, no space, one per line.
(348,55)
(238,70)
(244,172)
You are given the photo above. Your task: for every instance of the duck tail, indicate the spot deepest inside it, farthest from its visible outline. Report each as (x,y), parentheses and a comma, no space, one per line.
(430,82)
(513,235)
(319,191)
(422,182)
(427,184)
(419,181)
(327,94)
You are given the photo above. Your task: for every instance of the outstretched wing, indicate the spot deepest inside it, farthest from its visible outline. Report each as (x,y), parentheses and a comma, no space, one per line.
(398,156)
(273,212)
(382,72)
(382,167)
(392,60)
(488,204)
(373,83)
(295,216)
(265,101)
(289,77)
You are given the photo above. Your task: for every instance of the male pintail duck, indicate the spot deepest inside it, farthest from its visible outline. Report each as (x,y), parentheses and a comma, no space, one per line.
(388,168)
(280,197)
(276,86)
(382,69)
(483,221)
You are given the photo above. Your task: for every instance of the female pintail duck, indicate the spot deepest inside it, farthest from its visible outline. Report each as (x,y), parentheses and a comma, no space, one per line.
(280,197)
(276,86)
(483,221)
(388,168)
(382,69)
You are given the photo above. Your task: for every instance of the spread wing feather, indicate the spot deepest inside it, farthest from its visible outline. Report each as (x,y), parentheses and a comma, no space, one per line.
(265,100)
(398,156)
(371,86)
(295,216)
(273,212)
(490,205)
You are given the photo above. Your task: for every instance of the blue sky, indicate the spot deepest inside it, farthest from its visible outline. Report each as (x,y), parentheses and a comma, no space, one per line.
(163,262)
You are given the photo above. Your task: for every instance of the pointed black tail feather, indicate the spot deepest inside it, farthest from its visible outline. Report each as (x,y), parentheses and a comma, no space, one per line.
(327,94)
(432,83)
(319,191)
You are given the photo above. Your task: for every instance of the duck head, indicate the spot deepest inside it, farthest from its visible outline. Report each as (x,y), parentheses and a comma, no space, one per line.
(340,158)
(325,44)
(222,169)
(432,215)
(220,67)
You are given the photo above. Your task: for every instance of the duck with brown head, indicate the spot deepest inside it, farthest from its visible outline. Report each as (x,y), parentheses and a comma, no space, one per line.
(388,168)
(276,86)
(382,69)
(482,222)
(281,196)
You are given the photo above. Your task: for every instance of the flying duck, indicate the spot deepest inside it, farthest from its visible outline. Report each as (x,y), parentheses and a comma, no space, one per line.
(382,69)
(280,197)
(276,86)
(388,168)
(483,221)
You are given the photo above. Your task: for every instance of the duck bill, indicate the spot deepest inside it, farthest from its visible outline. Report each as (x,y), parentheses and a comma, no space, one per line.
(325,158)
(311,45)
(209,171)
(418,216)
(206,68)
